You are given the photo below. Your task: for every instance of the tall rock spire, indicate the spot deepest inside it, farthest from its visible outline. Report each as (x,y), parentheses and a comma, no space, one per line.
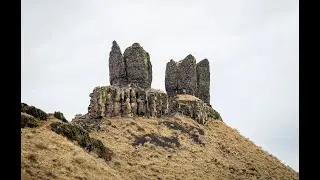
(138,66)
(203,81)
(117,68)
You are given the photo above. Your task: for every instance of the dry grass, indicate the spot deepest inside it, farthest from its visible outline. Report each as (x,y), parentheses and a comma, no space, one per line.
(47,155)
(186,97)
(225,155)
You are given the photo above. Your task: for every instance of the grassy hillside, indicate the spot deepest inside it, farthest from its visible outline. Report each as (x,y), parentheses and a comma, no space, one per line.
(166,148)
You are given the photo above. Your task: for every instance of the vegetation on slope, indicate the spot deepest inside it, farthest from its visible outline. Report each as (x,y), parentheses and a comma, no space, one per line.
(81,136)
(153,148)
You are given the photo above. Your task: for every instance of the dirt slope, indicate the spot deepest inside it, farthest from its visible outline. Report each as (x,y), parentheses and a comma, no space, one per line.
(167,148)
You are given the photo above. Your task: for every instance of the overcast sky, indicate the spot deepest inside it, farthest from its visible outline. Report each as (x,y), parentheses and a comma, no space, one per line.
(252,47)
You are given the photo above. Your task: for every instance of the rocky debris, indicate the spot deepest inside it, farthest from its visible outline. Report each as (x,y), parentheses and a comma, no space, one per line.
(28,121)
(81,136)
(195,133)
(33,111)
(59,115)
(203,81)
(157,140)
(138,66)
(117,68)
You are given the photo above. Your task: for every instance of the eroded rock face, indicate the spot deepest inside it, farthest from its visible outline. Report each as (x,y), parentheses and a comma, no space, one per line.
(187,77)
(181,77)
(187,81)
(138,66)
(117,69)
(133,68)
(171,78)
(110,101)
(203,81)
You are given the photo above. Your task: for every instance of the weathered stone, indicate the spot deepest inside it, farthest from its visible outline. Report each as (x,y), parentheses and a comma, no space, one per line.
(138,66)
(133,102)
(141,103)
(181,77)
(203,81)
(187,81)
(171,78)
(113,101)
(117,69)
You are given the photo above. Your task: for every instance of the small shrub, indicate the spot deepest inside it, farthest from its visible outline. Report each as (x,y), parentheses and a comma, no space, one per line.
(33,111)
(190,130)
(72,132)
(28,121)
(59,115)
(216,115)
(32,157)
(101,150)
(81,136)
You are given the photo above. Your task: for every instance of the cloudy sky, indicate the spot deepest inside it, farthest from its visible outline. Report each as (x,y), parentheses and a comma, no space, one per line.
(252,46)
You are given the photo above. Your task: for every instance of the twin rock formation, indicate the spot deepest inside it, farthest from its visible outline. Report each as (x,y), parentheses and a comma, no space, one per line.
(130,93)
(187,77)
(133,68)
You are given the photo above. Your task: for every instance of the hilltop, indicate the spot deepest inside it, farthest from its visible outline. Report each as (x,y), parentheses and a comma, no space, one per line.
(148,148)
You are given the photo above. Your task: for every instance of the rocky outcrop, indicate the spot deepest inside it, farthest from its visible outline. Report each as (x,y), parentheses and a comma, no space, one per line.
(130,92)
(117,69)
(181,76)
(187,77)
(111,101)
(193,107)
(203,81)
(171,78)
(133,68)
(138,66)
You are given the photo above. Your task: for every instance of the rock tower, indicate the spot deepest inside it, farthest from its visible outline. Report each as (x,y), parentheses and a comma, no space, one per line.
(133,68)
(187,77)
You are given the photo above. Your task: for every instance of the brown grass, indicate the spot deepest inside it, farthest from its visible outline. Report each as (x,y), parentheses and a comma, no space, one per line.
(47,155)
(186,97)
(226,154)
